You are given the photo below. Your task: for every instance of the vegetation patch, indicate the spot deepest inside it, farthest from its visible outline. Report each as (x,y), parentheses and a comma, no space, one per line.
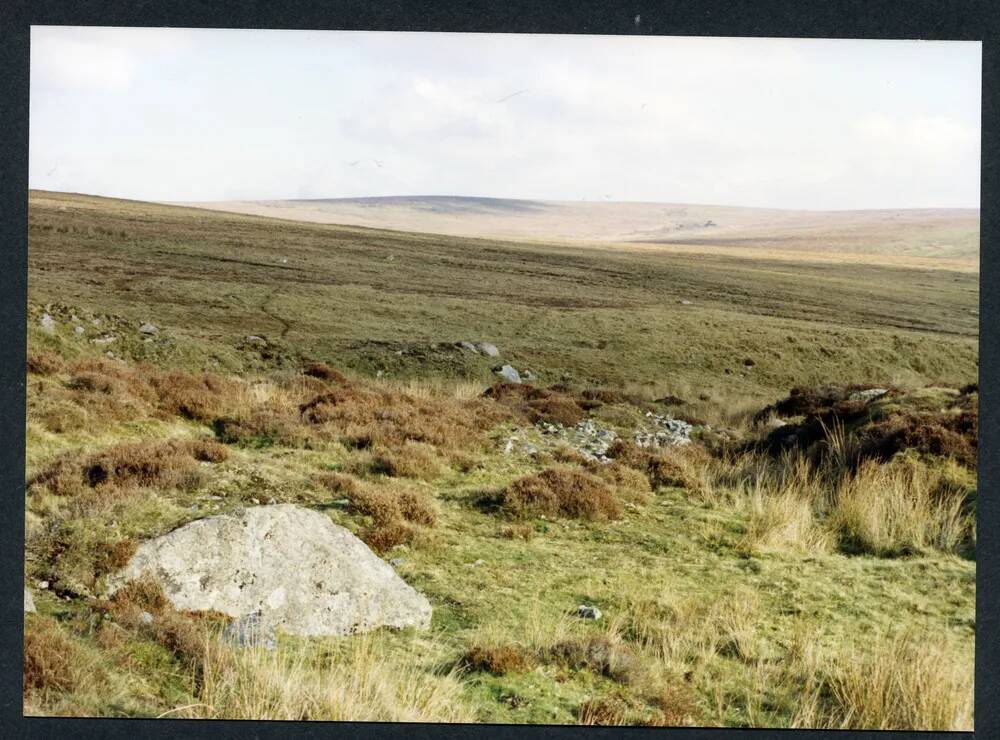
(560,492)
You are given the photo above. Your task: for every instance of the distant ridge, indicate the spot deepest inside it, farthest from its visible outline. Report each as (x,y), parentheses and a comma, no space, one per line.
(925,233)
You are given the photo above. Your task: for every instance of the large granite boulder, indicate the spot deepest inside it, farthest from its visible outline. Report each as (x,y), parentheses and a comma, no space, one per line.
(297,570)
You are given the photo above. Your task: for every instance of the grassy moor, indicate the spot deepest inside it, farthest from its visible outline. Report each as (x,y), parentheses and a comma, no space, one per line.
(735,484)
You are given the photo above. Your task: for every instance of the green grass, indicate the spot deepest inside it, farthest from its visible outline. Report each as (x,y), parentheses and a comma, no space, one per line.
(379,301)
(728,626)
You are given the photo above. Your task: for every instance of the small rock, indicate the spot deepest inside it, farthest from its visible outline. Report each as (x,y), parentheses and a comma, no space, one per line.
(145,618)
(588,612)
(684,303)
(250,631)
(43,585)
(488,349)
(868,395)
(48,323)
(106,339)
(29,601)
(79,329)
(467,346)
(254,339)
(148,328)
(508,373)
(396,562)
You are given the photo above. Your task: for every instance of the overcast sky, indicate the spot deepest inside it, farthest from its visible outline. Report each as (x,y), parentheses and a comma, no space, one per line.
(165,114)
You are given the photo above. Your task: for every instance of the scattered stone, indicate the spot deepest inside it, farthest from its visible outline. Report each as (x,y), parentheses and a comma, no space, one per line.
(29,601)
(868,395)
(468,346)
(488,349)
(254,339)
(301,572)
(588,612)
(79,329)
(508,373)
(249,632)
(146,618)
(666,431)
(43,585)
(148,328)
(48,323)
(684,303)
(106,339)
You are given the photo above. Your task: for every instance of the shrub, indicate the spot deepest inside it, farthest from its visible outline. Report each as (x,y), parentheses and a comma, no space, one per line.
(168,464)
(44,363)
(560,492)
(634,484)
(51,658)
(324,372)
(662,468)
(409,460)
(598,654)
(496,659)
(201,397)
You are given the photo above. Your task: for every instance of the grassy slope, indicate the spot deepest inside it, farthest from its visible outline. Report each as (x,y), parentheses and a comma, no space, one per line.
(209,279)
(358,297)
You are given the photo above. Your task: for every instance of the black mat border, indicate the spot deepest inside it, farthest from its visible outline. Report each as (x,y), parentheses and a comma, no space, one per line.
(967,19)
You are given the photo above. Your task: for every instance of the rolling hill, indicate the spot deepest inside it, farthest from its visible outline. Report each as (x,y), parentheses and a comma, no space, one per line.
(951,234)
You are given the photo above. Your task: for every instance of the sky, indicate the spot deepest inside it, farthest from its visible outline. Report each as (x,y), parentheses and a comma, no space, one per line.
(201,114)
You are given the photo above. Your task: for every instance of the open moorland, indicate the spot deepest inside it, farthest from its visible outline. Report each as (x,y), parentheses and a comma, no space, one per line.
(887,236)
(756,469)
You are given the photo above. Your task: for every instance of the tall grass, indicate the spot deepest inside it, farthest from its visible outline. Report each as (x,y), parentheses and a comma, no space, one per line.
(905,682)
(358,684)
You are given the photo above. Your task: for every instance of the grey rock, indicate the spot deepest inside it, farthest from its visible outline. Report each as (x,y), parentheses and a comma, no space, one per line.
(43,585)
(588,612)
(251,631)
(468,346)
(106,339)
(508,373)
(488,349)
(868,395)
(148,328)
(304,574)
(79,329)
(146,618)
(29,601)
(48,323)
(254,339)
(684,303)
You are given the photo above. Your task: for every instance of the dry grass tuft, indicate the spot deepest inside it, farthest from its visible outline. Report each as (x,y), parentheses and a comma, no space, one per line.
(524,532)
(201,396)
(610,710)
(907,682)
(898,509)
(357,683)
(560,492)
